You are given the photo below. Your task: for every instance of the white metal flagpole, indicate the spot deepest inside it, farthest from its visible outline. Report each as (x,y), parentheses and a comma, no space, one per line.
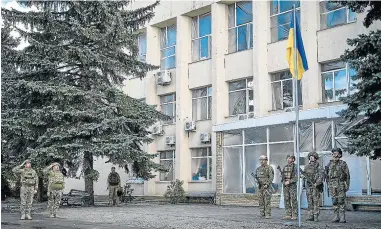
(296,101)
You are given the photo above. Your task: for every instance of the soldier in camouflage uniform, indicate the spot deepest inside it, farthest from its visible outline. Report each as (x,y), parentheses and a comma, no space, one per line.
(338,179)
(113,186)
(290,176)
(264,176)
(56,186)
(314,175)
(29,187)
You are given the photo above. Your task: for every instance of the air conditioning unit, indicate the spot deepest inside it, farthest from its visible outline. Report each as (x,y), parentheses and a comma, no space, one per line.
(157,130)
(163,77)
(170,140)
(242,116)
(250,115)
(190,126)
(205,137)
(250,84)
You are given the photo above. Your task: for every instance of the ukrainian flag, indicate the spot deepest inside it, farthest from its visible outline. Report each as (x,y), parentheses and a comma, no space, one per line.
(302,64)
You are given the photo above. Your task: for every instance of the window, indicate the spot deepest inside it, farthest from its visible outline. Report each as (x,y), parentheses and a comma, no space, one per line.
(333,14)
(240,26)
(280,17)
(201,37)
(338,79)
(283,92)
(168,47)
(167,160)
(241,97)
(202,103)
(201,164)
(142,45)
(168,106)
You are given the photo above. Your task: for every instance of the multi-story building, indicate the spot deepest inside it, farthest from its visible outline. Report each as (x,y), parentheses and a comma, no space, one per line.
(225,81)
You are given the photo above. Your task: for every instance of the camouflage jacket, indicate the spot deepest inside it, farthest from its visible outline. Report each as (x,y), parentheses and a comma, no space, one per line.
(265,175)
(338,171)
(56,179)
(313,173)
(290,173)
(113,178)
(28,176)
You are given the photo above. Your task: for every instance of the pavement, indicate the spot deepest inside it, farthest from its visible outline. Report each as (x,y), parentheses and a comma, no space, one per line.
(193,216)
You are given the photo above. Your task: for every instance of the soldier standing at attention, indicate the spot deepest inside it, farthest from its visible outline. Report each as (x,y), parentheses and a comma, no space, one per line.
(338,183)
(29,187)
(56,186)
(113,186)
(264,176)
(290,174)
(314,175)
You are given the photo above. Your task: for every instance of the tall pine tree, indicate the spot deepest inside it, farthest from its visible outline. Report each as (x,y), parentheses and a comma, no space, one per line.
(365,57)
(61,97)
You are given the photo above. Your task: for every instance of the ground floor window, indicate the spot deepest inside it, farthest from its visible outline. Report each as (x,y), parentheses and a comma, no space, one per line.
(167,159)
(201,164)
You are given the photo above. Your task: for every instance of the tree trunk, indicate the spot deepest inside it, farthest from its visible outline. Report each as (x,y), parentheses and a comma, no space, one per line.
(89,182)
(40,191)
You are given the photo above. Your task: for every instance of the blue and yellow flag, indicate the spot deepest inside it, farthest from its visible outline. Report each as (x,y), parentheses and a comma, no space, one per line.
(302,64)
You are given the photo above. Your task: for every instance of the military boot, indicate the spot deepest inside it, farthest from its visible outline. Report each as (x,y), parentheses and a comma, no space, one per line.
(336,218)
(51,215)
(316,218)
(310,218)
(27,216)
(286,217)
(22,216)
(342,217)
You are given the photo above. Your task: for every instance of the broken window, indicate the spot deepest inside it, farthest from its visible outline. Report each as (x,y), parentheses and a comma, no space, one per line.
(282,90)
(240,26)
(333,14)
(167,160)
(202,104)
(241,97)
(201,164)
(281,13)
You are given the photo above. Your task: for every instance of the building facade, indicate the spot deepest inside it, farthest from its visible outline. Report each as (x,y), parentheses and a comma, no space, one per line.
(223,74)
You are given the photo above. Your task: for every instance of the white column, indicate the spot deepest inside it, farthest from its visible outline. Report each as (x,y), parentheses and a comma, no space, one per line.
(220,104)
(261,36)
(153,57)
(183,99)
(311,82)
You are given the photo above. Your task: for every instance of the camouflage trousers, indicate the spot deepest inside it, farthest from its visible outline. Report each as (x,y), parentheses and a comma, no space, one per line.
(337,191)
(26,196)
(264,196)
(112,194)
(313,199)
(290,199)
(54,201)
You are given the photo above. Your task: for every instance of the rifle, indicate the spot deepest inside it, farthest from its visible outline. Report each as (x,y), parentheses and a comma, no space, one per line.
(307,178)
(281,173)
(260,185)
(326,178)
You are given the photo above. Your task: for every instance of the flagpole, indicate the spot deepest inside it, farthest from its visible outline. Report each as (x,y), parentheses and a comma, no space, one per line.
(296,104)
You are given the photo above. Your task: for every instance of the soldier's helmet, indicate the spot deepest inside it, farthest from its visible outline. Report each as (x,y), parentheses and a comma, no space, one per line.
(313,153)
(290,156)
(338,150)
(263,157)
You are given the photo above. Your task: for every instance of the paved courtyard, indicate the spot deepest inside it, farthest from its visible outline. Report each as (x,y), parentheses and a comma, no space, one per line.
(154,216)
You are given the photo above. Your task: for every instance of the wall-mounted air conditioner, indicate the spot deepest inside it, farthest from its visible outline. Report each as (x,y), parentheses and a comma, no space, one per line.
(157,130)
(170,140)
(205,137)
(190,126)
(163,77)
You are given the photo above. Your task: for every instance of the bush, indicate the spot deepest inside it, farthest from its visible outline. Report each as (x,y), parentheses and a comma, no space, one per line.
(175,192)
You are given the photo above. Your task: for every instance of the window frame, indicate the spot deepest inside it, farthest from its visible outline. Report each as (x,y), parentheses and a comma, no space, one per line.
(144,60)
(173,120)
(249,32)
(347,13)
(348,83)
(198,37)
(207,102)
(275,16)
(167,47)
(209,159)
(282,92)
(168,159)
(247,91)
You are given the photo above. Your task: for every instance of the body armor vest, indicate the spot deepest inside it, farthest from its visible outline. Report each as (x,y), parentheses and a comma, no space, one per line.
(28,177)
(114,179)
(288,171)
(56,180)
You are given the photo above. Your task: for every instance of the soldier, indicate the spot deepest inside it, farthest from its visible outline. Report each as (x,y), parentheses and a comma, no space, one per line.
(290,179)
(56,186)
(338,179)
(264,176)
(314,176)
(113,186)
(29,187)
